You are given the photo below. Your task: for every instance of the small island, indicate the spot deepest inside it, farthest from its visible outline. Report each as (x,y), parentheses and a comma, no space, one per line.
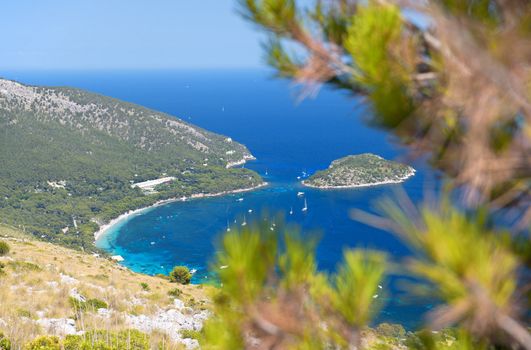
(359,171)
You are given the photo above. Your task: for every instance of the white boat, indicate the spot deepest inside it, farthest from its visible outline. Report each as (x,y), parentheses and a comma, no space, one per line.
(192,271)
(240,199)
(291,211)
(250,210)
(300,194)
(228,227)
(244,221)
(305,208)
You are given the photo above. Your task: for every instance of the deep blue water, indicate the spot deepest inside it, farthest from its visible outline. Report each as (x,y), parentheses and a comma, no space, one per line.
(287,137)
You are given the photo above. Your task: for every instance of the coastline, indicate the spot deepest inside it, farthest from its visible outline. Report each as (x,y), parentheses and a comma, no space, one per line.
(103,229)
(387,182)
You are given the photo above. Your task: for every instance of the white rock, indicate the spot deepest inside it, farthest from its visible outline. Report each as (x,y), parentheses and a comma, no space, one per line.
(190,343)
(58,326)
(178,304)
(65,279)
(103,312)
(171,322)
(76,295)
(52,284)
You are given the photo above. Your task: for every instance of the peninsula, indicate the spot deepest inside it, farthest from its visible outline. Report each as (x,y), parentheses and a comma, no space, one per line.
(359,171)
(72,161)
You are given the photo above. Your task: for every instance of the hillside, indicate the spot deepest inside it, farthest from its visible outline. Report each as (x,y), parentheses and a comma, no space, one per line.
(50,290)
(358,171)
(69,158)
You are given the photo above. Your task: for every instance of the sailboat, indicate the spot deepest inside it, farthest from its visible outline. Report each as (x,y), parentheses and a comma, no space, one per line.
(305,208)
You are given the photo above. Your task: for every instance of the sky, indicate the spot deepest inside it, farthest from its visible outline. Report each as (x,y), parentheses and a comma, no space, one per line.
(126,34)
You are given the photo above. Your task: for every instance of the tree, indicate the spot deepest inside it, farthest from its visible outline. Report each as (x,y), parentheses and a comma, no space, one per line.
(453,87)
(180,274)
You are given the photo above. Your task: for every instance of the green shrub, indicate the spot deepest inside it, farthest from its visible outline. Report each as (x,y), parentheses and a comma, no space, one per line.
(89,305)
(4,248)
(5,344)
(191,303)
(190,333)
(23,266)
(175,292)
(44,343)
(180,274)
(145,286)
(24,313)
(104,340)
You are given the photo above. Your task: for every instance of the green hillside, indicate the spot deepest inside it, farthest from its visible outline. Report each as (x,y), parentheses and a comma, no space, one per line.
(67,155)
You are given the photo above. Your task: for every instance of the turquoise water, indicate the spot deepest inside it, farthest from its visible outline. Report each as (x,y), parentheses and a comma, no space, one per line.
(289,138)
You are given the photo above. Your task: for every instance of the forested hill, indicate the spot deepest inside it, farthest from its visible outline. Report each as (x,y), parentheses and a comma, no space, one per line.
(69,154)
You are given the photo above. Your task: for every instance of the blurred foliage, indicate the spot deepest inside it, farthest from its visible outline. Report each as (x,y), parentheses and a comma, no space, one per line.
(271,290)
(368,40)
(450,79)
(272,295)
(44,343)
(5,344)
(468,266)
(455,87)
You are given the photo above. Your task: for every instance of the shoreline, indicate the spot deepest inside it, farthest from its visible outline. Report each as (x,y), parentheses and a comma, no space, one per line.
(103,229)
(387,182)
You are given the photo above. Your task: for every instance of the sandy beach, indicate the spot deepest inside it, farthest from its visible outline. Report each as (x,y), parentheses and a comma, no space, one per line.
(105,228)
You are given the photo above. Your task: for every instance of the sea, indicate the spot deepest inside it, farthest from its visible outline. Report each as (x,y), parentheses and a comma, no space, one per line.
(292,131)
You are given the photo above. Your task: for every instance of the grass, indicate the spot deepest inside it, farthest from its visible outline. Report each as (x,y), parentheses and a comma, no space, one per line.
(34,285)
